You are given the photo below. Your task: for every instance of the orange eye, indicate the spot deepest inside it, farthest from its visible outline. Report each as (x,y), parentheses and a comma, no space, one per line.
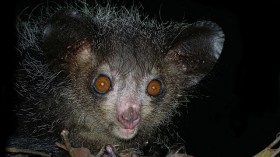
(102,84)
(154,88)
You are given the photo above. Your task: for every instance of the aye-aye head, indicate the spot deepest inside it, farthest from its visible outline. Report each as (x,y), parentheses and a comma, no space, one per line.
(112,77)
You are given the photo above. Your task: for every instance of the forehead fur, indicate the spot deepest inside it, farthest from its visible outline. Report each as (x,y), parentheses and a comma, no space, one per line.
(127,52)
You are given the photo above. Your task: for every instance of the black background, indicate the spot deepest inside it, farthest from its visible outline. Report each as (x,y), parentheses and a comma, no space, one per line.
(237,112)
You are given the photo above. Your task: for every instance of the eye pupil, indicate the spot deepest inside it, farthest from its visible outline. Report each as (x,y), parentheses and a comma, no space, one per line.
(102,84)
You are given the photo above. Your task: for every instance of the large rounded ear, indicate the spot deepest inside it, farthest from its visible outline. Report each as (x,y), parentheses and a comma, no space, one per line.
(195,50)
(66,34)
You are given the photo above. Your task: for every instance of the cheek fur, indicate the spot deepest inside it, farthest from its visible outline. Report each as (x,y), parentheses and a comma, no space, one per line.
(146,109)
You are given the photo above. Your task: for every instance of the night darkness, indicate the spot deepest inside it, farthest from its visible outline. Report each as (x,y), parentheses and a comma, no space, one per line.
(237,112)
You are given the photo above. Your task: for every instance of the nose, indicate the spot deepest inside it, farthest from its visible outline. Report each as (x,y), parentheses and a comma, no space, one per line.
(129,118)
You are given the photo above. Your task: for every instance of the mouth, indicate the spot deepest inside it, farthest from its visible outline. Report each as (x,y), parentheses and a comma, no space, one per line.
(123,133)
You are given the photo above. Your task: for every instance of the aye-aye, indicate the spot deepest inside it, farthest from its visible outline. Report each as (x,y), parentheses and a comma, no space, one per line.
(107,75)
